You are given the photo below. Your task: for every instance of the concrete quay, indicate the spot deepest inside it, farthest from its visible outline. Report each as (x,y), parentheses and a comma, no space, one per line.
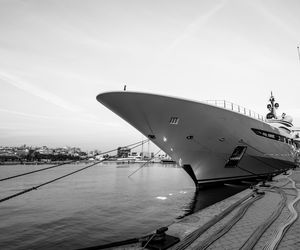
(264,217)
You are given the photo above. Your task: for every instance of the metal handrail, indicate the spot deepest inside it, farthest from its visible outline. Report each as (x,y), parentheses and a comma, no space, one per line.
(234,107)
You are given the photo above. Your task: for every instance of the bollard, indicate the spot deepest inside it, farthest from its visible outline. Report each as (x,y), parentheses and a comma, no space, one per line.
(160,240)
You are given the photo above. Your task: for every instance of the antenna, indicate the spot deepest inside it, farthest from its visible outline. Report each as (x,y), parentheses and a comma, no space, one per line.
(298,53)
(272,106)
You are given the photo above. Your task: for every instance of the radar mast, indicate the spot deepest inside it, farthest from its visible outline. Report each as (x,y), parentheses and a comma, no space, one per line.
(272,106)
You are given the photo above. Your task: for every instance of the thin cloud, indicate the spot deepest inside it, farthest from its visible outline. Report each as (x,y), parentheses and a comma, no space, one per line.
(90,118)
(276,20)
(194,26)
(27,115)
(34,90)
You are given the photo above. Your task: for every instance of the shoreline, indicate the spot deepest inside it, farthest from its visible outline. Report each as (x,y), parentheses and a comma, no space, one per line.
(10,163)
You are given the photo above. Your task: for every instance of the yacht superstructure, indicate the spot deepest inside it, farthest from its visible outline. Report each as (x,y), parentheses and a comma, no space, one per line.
(212,141)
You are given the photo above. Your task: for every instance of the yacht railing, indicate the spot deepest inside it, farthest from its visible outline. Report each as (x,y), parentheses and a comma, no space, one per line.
(234,107)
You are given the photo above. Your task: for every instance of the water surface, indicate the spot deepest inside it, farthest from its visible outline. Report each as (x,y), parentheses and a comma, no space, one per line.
(97,206)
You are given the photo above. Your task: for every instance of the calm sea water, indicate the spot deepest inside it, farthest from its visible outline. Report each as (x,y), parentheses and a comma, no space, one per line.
(97,206)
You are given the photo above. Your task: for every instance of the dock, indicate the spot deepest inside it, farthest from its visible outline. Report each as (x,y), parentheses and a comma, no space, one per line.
(265,216)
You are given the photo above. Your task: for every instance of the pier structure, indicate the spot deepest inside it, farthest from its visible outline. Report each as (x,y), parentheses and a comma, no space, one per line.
(261,217)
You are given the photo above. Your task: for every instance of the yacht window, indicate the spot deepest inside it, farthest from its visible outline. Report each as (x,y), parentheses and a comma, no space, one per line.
(285,129)
(270,135)
(258,132)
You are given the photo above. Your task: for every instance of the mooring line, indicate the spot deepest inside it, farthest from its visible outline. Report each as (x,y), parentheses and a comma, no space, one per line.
(48,182)
(144,164)
(189,239)
(256,235)
(69,162)
(225,228)
(275,243)
(61,177)
(35,171)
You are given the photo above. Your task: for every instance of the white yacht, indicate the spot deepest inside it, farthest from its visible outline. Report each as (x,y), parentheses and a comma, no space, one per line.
(213,140)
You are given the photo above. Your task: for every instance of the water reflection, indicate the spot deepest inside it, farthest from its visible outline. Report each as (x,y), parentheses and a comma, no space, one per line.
(203,198)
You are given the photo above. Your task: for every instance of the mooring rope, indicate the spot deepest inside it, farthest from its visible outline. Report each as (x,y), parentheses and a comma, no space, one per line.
(61,177)
(259,231)
(189,239)
(294,215)
(48,182)
(69,162)
(150,238)
(39,170)
(144,163)
(226,227)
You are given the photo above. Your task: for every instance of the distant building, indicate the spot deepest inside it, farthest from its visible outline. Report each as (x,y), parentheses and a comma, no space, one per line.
(123,152)
(43,153)
(22,152)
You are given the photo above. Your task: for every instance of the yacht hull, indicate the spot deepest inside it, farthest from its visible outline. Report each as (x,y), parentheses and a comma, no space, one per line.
(202,136)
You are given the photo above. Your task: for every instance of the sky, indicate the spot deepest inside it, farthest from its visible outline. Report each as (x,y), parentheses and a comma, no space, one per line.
(57,55)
